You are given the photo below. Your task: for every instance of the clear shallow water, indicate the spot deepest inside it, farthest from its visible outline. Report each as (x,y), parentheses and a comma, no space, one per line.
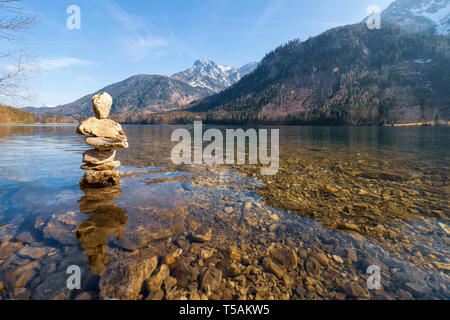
(160,208)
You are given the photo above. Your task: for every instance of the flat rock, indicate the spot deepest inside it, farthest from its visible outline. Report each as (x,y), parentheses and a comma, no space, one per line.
(284,256)
(104,144)
(101,103)
(32,252)
(96,157)
(105,128)
(100,179)
(151,224)
(102,167)
(62,227)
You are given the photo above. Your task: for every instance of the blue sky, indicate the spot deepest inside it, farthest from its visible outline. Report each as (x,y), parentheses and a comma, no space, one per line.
(121,38)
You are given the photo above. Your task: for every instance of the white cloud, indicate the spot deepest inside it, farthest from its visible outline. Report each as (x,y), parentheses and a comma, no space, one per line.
(148,41)
(52,64)
(135,35)
(49,64)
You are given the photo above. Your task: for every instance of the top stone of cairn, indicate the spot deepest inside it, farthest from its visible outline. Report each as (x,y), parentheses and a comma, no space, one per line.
(102,103)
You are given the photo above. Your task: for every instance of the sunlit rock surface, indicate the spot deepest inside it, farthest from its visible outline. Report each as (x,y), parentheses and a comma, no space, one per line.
(106,136)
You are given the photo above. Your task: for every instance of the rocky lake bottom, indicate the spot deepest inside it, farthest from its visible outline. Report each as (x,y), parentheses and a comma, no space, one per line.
(343,200)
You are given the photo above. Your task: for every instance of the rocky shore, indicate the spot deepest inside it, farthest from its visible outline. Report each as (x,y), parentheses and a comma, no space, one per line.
(310,232)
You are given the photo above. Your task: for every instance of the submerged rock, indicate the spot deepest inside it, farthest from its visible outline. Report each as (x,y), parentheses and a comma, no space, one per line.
(32,252)
(25,237)
(7,249)
(20,277)
(150,224)
(284,256)
(184,273)
(211,279)
(53,288)
(123,279)
(154,283)
(203,234)
(62,227)
(273,267)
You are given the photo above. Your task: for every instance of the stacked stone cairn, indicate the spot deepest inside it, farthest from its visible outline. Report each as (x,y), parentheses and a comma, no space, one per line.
(106,136)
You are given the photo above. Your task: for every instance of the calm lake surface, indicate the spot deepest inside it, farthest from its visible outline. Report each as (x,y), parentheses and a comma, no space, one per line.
(344,200)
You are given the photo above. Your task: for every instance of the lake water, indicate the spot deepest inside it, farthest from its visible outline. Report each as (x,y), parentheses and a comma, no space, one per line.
(345,200)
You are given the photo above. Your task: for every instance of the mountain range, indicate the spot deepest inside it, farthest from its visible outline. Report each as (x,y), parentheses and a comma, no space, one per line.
(347,75)
(144,94)
(213,77)
(430,16)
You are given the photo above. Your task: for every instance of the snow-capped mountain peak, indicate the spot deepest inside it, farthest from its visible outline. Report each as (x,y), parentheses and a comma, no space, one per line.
(432,16)
(212,76)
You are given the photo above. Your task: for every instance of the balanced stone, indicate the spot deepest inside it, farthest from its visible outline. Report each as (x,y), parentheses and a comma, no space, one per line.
(102,167)
(105,128)
(100,179)
(104,144)
(102,103)
(97,157)
(105,135)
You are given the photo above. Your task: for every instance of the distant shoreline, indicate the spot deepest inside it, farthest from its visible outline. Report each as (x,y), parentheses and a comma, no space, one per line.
(418,124)
(413,124)
(38,124)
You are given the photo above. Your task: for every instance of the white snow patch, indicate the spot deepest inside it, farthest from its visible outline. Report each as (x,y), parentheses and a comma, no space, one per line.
(440,17)
(422,61)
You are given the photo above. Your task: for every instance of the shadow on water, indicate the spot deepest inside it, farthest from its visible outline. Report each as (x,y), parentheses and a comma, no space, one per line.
(105,219)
